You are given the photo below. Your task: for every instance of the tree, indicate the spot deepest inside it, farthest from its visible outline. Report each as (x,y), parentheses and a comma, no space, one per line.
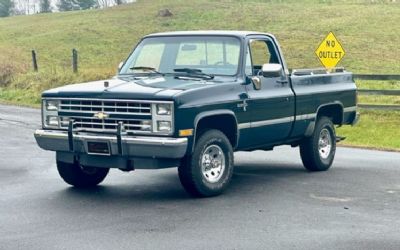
(6,7)
(45,6)
(85,4)
(67,5)
(64,5)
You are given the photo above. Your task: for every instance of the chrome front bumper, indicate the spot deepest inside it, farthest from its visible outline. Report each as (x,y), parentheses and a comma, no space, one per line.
(125,146)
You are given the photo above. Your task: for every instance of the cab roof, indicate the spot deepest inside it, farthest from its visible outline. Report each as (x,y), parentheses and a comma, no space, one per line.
(236,33)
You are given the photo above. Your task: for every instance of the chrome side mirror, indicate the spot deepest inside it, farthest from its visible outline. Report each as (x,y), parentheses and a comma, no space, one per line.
(271,70)
(120,65)
(256,82)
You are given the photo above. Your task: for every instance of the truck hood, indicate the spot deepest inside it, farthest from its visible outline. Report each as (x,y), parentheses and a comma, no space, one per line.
(125,88)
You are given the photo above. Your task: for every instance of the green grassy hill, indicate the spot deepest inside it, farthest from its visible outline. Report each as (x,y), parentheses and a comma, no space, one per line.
(369,31)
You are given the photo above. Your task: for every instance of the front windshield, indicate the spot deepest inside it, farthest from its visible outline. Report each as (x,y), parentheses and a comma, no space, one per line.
(212,55)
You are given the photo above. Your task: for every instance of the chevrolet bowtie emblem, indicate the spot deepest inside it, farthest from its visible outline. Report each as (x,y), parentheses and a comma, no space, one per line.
(101,115)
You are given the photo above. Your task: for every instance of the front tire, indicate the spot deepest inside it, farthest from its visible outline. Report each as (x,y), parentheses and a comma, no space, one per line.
(318,151)
(208,171)
(80,176)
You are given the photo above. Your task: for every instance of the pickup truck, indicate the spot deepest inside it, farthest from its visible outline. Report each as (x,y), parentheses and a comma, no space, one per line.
(190,100)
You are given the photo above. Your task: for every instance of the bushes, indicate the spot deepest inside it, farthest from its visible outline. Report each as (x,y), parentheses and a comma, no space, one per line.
(10,65)
(6,73)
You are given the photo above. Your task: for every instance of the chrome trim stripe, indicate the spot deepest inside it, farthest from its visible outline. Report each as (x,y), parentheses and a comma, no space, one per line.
(275,121)
(244,125)
(305,117)
(350,109)
(265,122)
(272,122)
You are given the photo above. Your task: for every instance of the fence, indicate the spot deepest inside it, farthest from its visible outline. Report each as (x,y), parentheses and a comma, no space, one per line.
(356,76)
(74,61)
(378,91)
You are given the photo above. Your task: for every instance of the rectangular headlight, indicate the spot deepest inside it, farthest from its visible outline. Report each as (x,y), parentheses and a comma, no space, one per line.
(163,109)
(52,121)
(162,116)
(51,105)
(164,126)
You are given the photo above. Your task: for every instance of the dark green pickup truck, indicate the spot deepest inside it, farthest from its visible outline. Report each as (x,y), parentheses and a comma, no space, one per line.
(189,100)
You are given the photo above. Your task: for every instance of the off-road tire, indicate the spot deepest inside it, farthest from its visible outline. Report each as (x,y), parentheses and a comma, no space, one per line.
(192,173)
(81,177)
(311,149)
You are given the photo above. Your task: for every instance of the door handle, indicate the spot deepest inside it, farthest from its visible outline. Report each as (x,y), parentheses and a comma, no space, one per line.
(282,81)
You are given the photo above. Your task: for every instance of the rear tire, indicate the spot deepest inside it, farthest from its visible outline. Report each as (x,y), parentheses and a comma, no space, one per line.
(208,171)
(318,151)
(80,176)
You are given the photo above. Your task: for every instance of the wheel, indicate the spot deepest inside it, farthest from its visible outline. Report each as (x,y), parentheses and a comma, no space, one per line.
(80,176)
(318,151)
(208,171)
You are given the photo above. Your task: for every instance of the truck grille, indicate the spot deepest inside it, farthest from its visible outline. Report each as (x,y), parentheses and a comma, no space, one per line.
(135,115)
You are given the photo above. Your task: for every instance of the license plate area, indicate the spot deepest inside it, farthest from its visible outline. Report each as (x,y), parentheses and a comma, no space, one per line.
(98,148)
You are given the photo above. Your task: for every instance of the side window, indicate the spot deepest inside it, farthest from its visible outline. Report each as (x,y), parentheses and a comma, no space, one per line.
(261,52)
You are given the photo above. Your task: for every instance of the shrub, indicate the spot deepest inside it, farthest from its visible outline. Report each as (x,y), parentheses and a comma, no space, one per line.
(11,65)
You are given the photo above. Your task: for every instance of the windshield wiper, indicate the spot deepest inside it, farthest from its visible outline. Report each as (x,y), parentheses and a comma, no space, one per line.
(146,69)
(194,72)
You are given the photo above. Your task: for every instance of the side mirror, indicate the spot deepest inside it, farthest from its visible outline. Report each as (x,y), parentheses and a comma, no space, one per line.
(272,70)
(120,65)
(256,82)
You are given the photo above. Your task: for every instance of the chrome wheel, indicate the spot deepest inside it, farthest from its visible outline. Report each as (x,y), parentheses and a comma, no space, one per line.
(212,163)
(324,143)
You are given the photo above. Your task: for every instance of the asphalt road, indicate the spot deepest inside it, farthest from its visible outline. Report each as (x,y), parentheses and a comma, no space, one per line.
(272,202)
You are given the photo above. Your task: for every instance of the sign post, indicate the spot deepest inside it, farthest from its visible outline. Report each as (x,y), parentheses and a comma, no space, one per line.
(330,51)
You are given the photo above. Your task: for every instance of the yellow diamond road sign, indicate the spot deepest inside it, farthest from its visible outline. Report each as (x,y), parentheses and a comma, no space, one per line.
(330,51)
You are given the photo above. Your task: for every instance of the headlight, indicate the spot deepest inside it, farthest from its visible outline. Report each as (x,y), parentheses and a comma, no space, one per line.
(164,126)
(51,105)
(52,121)
(162,114)
(163,109)
(50,114)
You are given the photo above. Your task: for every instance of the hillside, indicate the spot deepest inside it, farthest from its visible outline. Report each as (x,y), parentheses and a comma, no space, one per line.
(368,30)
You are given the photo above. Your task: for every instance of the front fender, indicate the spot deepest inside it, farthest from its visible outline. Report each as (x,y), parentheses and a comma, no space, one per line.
(215,113)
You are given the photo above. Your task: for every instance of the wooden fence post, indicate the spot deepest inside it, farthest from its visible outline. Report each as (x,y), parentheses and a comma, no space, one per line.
(34,61)
(74,60)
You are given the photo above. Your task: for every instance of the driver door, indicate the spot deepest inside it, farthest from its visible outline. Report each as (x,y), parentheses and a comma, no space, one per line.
(272,106)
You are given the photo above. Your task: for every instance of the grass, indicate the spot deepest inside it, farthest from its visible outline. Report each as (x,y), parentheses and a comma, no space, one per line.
(378,99)
(387,85)
(376,129)
(103,38)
